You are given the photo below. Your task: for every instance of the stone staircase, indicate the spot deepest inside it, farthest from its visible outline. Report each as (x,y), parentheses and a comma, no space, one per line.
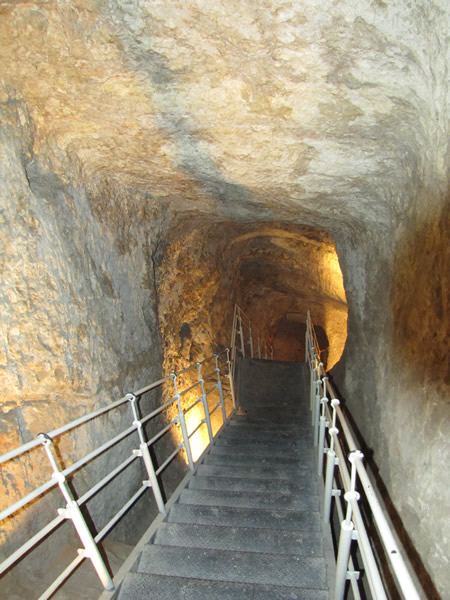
(247,526)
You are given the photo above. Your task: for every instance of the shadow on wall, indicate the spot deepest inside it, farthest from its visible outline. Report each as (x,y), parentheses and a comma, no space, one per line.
(235,201)
(419,395)
(289,340)
(420,301)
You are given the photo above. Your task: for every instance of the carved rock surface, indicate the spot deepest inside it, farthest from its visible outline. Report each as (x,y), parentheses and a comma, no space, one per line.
(160,161)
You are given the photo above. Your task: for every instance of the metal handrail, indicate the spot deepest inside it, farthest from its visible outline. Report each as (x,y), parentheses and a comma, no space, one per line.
(251,343)
(328,417)
(61,476)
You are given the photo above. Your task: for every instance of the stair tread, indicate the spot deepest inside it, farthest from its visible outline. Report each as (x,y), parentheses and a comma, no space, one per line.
(263,461)
(244,421)
(138,586)
(240,484)
(226,565)
(255,500)
(260,450)
(287,445)
(298,520)
(248,539)
(264,435)
(258,472)
(249,516)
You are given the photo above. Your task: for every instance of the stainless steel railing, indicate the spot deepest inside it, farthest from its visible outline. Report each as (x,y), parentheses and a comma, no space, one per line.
(345,476)
(191,388)
(246,339)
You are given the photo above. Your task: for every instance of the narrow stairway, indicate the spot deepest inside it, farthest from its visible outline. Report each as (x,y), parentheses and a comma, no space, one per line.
(247,526)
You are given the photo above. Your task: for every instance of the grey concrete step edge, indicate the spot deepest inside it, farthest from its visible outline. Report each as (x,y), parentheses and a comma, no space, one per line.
(247,539)
(295,520)
(256,472)
(134,555)
(270,420)
(288,446)
(240,567)
(214,458)
(139,586)
(260,451)
(255,500)
(241,484)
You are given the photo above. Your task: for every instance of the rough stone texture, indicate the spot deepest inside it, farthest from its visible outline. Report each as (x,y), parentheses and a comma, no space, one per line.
(142,140)
(272,270)
(78,330)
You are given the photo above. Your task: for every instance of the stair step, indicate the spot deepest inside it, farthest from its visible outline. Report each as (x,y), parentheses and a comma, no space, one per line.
(300,485)
(140,586)
(255,500)
(240,567)
(243,423)
(255,445)
(295,520)
(264,435)
(269,415)
(259,472)
(260,450)
(244,539)
(257,461)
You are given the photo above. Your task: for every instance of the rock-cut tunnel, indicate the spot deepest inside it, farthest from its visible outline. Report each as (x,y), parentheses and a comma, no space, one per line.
(161,161)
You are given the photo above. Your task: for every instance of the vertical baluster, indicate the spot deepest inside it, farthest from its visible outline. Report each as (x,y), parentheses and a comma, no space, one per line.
(219,387)
(144,453)
(347,534)
(241,334)
(230,376)
(322,426)
(332,461)
(182,422)
(205,403)
(73,512)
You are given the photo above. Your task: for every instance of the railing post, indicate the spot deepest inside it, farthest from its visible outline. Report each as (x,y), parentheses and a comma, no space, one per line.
(73,512)
(322,427)
(307,349)
(345,540)
(241,335)
(259,346)
(347,533)
(144,453)
(250,339)
(219,387)
(182,422)
(230,376)
(205,403)
(319,382)
(332,461)
(312,385)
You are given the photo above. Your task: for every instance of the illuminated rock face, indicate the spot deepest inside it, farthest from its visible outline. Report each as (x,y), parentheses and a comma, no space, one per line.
(160,162)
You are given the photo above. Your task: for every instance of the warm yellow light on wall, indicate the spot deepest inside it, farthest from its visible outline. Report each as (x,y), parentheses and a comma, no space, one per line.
(200,439)
(334,310)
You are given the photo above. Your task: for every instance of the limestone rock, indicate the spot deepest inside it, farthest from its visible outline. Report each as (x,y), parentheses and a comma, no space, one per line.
(160,161)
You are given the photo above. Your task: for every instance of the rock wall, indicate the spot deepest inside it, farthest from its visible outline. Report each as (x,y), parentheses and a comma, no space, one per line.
(269,269)
(79,325)
(394,373)
(144,144)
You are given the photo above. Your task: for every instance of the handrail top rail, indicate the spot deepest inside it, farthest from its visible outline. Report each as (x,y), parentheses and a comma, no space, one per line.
(27,446)
(151,471)
(355,458)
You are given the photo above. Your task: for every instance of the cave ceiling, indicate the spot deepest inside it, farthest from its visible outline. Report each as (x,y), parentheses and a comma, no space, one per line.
(300,112)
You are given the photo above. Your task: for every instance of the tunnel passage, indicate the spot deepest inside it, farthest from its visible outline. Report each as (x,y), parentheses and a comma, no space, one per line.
(276,272)
(289,339)
(134,133)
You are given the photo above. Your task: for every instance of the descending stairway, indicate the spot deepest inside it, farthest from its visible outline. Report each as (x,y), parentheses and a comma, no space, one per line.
(247,526)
